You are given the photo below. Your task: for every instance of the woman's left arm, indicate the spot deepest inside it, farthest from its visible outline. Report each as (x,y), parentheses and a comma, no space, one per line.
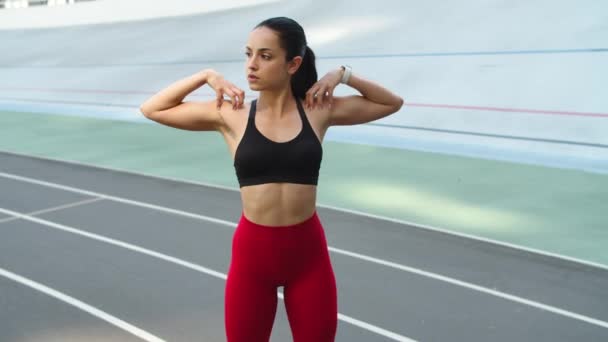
(375,101)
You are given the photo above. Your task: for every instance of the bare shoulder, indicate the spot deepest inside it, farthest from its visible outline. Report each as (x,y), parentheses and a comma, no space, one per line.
(318,117)
(233,121)
(227,110)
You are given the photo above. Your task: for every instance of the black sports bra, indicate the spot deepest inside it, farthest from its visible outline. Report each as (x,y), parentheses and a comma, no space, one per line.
(259,160)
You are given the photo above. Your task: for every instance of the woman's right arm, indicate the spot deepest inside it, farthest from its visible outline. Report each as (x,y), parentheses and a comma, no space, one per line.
(167,107)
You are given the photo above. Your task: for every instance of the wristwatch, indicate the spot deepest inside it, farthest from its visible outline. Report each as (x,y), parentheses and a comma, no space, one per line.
(347,72)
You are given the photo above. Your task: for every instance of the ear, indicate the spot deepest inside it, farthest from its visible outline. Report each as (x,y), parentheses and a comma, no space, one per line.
(294,64)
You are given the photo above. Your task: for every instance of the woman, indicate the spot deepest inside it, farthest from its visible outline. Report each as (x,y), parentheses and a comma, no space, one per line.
(277,152)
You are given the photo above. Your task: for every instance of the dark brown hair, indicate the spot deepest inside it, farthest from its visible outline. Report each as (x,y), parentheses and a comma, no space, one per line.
(293,40)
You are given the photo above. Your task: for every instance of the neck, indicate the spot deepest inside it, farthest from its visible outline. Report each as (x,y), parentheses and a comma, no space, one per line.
(276,103)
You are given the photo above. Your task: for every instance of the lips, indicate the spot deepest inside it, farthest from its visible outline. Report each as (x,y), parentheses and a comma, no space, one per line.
(252,77)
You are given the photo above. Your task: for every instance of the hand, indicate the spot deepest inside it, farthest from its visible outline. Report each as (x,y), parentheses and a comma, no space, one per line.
(321,93)
(217,82)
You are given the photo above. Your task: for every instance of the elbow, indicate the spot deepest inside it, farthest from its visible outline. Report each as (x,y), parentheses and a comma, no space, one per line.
(401,102)
(145,111)
(398,105)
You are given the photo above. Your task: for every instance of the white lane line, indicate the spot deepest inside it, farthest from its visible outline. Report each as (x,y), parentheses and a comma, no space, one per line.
(187,264)
(473,237)
(394,265)
(474,287)
(144,335)
(118,199)
(350,211)
(61,207)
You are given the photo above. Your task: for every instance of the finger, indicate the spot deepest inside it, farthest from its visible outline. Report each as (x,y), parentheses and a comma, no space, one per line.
(237,101)
(327,97)
(318,97)
(324,98)
(236,94)
(315,95)
(331,97)
(241,95)
(219,98)
(309,96)
(232,96)
(311,102)
(310,99)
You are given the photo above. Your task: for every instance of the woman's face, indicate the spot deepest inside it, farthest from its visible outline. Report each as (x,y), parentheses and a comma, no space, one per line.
(265,59)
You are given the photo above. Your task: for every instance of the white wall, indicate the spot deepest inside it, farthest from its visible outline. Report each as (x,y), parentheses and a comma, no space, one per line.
(109,11)
(540,66)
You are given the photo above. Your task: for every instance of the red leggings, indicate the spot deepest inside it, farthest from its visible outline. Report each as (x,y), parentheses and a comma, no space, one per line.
(295,257)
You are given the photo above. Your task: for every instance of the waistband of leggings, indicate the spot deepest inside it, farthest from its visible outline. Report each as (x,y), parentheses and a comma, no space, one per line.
(313,218)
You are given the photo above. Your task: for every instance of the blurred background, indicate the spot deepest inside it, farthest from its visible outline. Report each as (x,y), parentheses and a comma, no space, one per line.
(503,135)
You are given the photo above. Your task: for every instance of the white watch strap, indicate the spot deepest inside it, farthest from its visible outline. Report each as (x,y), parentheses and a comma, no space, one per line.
(347,72)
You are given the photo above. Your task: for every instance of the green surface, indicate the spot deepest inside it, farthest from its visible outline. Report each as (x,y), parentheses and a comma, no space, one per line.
(559,211)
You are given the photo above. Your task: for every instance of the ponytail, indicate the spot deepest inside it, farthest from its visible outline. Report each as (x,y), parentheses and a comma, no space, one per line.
(306,75)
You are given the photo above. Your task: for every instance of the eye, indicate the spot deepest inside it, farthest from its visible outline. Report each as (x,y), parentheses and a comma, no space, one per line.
(266,57)
(247,54)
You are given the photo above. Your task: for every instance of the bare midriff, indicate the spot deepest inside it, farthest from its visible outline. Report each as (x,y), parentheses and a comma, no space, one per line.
(279,204)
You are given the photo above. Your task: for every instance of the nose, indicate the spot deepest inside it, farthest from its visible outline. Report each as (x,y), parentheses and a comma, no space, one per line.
(252,64)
